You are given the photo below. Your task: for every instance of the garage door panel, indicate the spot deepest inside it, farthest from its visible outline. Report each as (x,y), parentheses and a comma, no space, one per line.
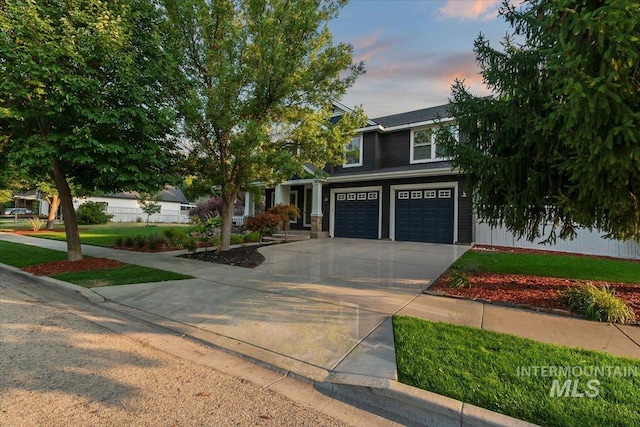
(357,218)
(422,219)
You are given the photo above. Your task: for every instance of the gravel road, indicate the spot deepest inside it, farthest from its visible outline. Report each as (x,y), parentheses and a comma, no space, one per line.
(59,370)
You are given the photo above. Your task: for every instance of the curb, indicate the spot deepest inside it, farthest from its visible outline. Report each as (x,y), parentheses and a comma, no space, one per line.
(59,284)
(411,405)
(415,405)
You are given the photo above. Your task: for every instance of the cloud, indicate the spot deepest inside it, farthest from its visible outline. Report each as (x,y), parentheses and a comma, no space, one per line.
(371,46)
(399,83)
(470,9)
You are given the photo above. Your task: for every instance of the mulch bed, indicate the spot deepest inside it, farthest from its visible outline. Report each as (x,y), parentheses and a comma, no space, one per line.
(245,256)
(59,267)
(532,291)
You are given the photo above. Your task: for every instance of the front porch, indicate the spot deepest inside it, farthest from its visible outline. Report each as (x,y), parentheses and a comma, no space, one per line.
(306,194)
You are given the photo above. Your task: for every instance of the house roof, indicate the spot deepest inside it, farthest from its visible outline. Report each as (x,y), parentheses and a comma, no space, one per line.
(169,194)
(416,116)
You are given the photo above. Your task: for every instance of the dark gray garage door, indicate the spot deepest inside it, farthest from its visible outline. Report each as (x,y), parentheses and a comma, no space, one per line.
(357,214)
(424,215)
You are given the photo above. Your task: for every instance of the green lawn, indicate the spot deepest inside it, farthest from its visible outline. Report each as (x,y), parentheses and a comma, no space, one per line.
(482,368)
(119,276)
(19,255)
(106,235)
(552,265)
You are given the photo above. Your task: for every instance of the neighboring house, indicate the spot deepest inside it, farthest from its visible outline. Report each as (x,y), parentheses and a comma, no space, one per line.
(125,207)
(395,184)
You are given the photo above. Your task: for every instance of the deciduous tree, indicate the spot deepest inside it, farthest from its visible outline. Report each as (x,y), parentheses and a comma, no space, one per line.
(262,75)
(559,142)
(82,85)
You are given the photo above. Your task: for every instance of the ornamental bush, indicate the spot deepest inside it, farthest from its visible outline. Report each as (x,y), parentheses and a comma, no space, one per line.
(92,213)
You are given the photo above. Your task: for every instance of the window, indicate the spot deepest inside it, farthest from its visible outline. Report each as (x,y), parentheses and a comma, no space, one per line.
(353,152)
(351,196)
(403,195)
(416,194)
(429,194)
(362,196)
(444,194)
(422,143)
(424,147)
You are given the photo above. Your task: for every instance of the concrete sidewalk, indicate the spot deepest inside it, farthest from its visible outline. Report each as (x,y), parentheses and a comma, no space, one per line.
(321,309)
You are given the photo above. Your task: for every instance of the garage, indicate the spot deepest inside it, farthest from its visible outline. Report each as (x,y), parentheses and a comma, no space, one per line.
(424,215)
(357,214)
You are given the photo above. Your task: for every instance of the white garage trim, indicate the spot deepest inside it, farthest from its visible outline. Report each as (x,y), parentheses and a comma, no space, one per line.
(332,207)
(392,208)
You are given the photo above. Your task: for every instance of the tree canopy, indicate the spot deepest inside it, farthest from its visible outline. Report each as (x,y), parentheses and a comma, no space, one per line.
(83,91)
(259,78)
(558,144)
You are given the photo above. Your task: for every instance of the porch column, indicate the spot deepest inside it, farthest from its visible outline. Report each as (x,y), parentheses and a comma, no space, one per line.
(249,205)
(316,211)
(282,194)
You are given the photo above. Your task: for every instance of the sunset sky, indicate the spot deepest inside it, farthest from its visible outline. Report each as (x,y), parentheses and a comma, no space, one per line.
(414,49)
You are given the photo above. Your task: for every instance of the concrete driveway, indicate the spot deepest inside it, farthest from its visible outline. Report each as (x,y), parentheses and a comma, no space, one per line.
(316,307)
(377,263)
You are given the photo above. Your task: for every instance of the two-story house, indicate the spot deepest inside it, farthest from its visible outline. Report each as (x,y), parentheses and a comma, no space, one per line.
(395,184)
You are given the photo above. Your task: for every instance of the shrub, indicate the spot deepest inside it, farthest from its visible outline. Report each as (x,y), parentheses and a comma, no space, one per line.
(120,242)
(598,303)
(175,236)
(139,242)
(251,237)
(156,241)
(261,222)
(92,213)
(236,239)
(459,280)
(190,244)
(35,223)
(207,209)
(128,242)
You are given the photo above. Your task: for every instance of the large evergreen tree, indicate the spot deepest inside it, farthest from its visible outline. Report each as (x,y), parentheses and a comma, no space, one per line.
(261,77)
(559,142)
(82,91)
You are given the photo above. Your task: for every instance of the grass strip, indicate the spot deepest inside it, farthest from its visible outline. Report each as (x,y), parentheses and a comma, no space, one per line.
(489,370)
(551,265)
(105,235)
(125,275)
(19,255)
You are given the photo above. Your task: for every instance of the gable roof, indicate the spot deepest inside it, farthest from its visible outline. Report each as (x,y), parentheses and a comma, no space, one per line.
(339,109)
(416,116)
(169,194)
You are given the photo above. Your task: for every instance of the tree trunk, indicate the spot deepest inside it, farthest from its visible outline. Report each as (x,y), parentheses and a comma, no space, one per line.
(74,250)
(54,204)
(227,220)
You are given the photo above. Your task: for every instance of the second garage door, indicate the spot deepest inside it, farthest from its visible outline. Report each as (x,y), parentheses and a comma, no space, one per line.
(424,215)
(357,214)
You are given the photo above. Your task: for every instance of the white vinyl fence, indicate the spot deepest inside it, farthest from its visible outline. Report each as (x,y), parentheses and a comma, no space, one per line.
(586,242)
(121,214)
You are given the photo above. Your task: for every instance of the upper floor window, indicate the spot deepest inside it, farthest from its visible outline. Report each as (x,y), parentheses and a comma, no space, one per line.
(353,152)
(424,147)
